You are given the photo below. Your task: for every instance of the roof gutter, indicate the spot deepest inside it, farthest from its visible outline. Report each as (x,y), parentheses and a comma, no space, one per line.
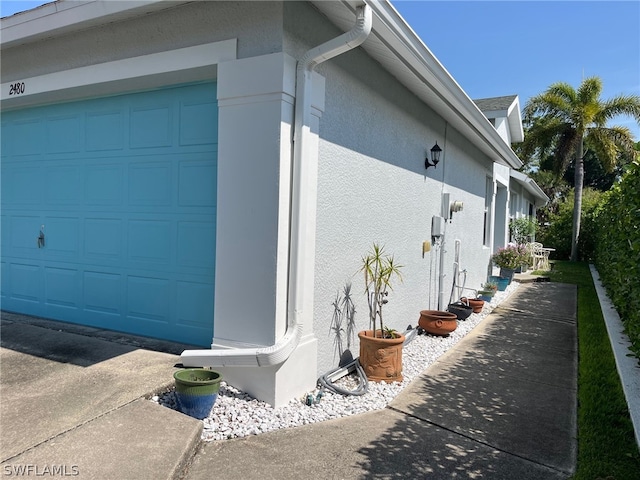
(302,198)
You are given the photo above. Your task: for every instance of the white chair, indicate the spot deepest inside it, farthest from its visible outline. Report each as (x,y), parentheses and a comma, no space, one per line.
(538,255)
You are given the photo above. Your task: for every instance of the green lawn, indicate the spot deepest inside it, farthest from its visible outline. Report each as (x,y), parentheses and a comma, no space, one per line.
(606,444)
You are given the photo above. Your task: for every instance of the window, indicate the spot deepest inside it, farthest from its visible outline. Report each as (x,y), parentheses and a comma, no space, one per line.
(488,200)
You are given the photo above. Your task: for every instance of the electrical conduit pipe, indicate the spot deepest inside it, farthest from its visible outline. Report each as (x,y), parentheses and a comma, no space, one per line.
(301,199)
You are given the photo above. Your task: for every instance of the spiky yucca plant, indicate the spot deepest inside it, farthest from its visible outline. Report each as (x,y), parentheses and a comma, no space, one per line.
(379,269)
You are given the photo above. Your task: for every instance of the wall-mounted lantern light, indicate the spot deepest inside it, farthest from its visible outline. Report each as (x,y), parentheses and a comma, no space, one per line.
(435,157)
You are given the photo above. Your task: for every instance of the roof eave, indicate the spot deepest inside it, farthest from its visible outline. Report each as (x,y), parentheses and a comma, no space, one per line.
(530,185)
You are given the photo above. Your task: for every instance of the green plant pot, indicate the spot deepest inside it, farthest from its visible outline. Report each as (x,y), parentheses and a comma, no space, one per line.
(196,391)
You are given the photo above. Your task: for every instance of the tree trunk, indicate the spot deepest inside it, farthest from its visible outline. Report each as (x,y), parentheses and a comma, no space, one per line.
(577,200)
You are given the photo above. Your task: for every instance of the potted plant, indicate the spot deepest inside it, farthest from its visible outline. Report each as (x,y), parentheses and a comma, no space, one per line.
(486,295)
(196,390)
(502,282)
(509,258)
(380,347)
(491,287)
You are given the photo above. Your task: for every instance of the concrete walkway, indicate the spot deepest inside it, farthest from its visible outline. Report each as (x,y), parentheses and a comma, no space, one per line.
(500,405)
(72,404)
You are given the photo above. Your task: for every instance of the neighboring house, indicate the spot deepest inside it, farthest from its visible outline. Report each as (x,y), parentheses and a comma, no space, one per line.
(213,172)
(516,195)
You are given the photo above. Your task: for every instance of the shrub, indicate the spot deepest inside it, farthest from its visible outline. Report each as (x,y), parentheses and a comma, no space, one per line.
(523,229)
(617,250)
(557,234)
(511,256)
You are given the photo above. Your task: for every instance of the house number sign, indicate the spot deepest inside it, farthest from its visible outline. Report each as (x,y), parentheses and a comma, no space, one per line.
(16,88)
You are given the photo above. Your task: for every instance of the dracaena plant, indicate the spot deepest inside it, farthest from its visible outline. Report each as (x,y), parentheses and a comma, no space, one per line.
(379,270)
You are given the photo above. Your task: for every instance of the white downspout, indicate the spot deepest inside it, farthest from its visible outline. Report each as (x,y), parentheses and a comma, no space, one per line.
(301,198)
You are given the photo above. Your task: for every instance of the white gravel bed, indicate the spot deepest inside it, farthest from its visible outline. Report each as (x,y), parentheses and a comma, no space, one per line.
(236,414)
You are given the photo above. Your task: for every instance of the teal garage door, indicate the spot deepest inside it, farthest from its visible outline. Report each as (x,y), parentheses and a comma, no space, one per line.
(109,212)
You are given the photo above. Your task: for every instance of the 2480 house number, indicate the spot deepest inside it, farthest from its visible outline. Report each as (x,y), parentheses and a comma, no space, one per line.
(16,88)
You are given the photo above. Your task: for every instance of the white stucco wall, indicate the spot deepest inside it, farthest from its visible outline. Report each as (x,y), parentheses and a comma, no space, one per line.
(257,24)
(372,187)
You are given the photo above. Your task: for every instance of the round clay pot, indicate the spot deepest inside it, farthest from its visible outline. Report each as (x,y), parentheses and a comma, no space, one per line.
(475,303)
(438,322)
(381,358)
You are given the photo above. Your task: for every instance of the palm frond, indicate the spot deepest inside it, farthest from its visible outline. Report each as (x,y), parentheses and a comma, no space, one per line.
(619,105)
(548,104)
(589,91)
(565,148)
(609,143)
(563,90)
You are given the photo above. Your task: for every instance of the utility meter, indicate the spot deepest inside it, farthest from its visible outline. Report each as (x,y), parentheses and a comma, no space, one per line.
(437,226)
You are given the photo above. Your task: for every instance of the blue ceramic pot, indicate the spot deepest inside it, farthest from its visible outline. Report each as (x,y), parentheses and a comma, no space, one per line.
(196,391)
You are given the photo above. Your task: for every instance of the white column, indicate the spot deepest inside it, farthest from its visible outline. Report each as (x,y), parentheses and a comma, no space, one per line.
(256,100)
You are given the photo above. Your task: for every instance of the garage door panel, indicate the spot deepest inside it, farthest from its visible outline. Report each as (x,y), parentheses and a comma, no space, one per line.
(150,183)
(103,239)
(62,237)
(63,185)
(23,232)
(151,127)
(102,292)
(198,126)
(150,241)
(62,287)
(125,187)
(195,179)
(25,137)
(26,282)
(63,134)
(195,240)
(104,185)
(104,131)
(195,305)
(21,186)
(4,281)
(149,298)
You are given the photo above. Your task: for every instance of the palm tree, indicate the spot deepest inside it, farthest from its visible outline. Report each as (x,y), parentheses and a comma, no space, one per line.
(565,121)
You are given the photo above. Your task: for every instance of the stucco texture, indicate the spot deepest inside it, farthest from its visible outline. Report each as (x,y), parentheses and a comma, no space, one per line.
(256,25)
(372,187)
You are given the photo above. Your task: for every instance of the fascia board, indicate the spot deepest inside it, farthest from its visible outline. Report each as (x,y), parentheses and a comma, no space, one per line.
(515,121)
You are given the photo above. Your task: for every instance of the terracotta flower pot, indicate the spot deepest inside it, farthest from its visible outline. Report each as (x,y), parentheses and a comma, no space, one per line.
(381,358)
(438,322)
(475,303)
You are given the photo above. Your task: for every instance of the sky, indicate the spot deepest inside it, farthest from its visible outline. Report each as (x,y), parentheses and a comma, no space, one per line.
(520,47)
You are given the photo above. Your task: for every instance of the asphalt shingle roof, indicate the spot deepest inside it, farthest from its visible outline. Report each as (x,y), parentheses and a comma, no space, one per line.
(495,103)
